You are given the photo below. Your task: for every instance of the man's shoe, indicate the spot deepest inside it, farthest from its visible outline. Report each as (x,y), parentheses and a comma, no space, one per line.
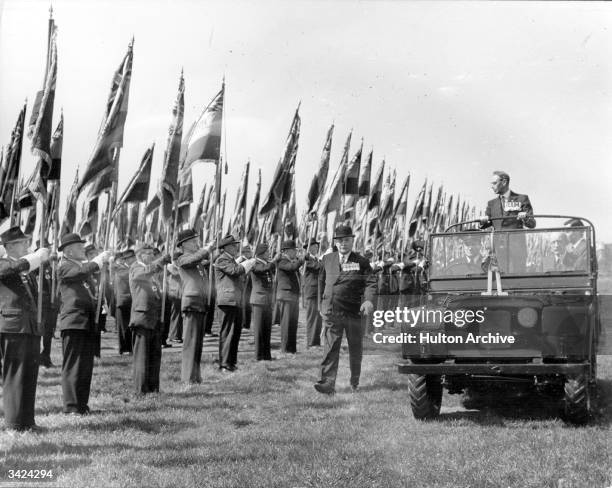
(227,369)
(324,388)
(165,345)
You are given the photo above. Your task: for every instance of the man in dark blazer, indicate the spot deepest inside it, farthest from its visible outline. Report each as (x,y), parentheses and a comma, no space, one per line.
(77,321)
(288,294)
(261,300)
(312,267)
(145,318)
(348,289)
(192,266)
(507,204)
(123,299)
(228,278)
(19,330)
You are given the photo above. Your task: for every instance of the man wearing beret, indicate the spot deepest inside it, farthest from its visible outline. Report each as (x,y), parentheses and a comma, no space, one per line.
(194,302)
(288,294)
(19,330)
(346,279)
(123,299)
(80,335)
(262,280)
(146,319)
(311,294)
(228,278)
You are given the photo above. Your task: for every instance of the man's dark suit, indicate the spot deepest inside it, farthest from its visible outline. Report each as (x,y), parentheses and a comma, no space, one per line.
(342,288)
(261,303)
(228,278)
(311,299)
(19,342)
(518,203)
(146,324)
(123,301)
(287,297)
(194,306)
(80,335)
(49,314)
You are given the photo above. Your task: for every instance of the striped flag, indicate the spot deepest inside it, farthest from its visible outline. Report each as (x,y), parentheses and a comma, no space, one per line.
(12,160)
(110,136)
(203,142)
(318,182)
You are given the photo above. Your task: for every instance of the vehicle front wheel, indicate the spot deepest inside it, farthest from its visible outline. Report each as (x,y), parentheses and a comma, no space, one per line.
(576,404)
(425,395)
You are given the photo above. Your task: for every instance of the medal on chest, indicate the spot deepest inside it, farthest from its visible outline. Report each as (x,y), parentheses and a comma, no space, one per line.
(348,267)
(512,206)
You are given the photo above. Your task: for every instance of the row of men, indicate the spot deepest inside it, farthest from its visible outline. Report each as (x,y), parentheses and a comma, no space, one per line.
(336,284)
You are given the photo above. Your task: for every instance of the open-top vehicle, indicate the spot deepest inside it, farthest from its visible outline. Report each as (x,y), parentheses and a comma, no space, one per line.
(512,308)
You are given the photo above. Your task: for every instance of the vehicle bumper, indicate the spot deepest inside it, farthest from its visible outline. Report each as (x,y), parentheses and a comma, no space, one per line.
(493,369)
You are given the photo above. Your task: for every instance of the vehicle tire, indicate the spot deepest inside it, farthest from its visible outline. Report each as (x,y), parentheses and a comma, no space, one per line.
(576,404)
(425,395)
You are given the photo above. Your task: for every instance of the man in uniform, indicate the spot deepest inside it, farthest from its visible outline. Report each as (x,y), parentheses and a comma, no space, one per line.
(91,252)
(261,302)
(123,299)
(311,294)
(194,302)
(174,300)
(49,314)
(77,321)
(247,253)
(146,320)
(19,331)
(344,279)
(288,294)
(228,277)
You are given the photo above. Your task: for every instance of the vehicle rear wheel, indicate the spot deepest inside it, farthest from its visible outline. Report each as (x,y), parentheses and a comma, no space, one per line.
(577,400)
(425,395)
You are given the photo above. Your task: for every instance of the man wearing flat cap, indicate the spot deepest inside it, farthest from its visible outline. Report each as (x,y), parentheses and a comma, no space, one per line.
(195,287)
(19,331)
(288,294)
(228,278)
(261,300)
(80,334)
(123,298)
(348,289)
(145,318)
(577,247)
(311,294)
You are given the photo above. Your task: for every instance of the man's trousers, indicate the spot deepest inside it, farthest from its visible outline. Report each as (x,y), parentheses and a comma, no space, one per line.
(147,359)
(261,321)
(20,356)
(78,347)
(333,329)
(124,333)
(193,335)
(313,323)
(229,336)
(289,312)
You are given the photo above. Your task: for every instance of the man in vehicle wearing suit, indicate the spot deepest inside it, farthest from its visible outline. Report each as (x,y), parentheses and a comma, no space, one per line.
(288,294)
(311,294)
(19,330)
(262,281)
(344,279)
(146,319)
(192,266)
(228,277)
(123,299)
(77,321)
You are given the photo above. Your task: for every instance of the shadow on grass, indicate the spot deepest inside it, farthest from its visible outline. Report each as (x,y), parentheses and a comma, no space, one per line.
(153,426)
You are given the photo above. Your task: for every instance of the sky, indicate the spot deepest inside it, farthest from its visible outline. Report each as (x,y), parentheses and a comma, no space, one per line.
(448,91)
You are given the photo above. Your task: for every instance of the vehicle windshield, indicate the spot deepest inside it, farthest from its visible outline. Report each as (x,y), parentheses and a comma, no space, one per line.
(546,251)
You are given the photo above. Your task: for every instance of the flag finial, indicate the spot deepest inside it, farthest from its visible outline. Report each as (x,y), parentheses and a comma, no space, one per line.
(50,11)
(131,42)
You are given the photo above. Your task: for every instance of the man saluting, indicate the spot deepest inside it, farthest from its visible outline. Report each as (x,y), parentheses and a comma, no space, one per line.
(345,278)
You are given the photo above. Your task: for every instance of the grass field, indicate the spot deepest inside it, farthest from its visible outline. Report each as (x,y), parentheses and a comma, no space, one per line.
(265,426)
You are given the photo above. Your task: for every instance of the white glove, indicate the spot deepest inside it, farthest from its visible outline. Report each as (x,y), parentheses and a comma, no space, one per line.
(101,258)
(522,215)
(37,257)
(240,259)
(248,264)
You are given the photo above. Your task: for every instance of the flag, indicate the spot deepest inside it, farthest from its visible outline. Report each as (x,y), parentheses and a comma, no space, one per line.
(417,212)
(351,178)
(40,126)
(185,197)
(137,189)
(278,189)
(132,221)
(239,218)
(365,175)
(290,222)
(376,190)
(57,142)
(152,205)
(71,203)
(196,221)
(110,136)
(169,183)
(386,205)
(89,218)
(402,201)
(253,223)
(318,182)
(333,197)
(12,160)
(203,142)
